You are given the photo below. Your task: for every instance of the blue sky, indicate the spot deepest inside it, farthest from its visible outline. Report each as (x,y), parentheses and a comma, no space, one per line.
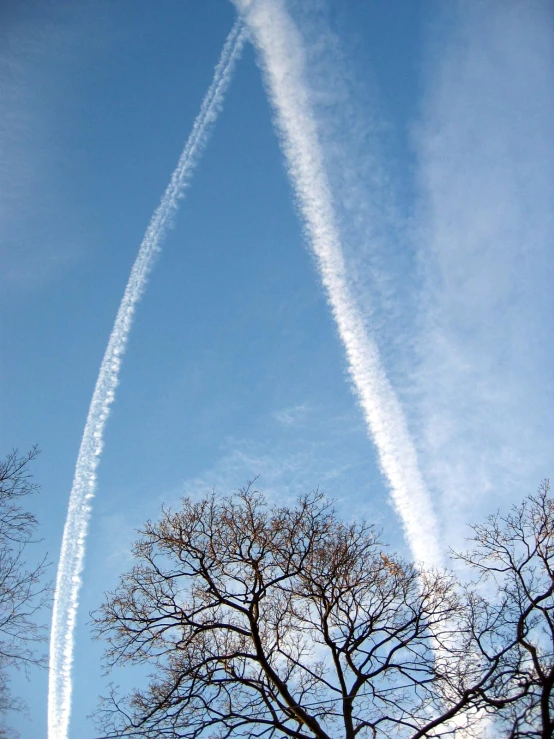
(434,124)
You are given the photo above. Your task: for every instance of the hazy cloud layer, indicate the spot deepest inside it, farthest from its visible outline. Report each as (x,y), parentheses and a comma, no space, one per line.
(486,169)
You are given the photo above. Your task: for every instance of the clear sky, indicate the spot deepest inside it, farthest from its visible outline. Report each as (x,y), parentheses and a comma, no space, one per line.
(435,124)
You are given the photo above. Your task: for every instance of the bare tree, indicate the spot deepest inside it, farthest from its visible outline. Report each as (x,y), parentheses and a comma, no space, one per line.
(513,624)
(22,589)
(283,622)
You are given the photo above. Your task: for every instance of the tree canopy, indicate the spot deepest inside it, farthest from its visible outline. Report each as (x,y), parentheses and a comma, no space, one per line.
(280,621)
(285,621)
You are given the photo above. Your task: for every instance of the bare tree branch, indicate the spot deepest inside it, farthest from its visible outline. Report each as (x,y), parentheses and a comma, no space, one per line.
(23,591)
(514,556)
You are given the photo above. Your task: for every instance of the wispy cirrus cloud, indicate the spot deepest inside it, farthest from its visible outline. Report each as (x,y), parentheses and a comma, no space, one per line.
(327,450)
(486,176)
(292,415)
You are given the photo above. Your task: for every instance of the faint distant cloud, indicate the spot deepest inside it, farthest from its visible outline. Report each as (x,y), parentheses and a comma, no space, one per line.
(328,451)
(293,415)
(118,533)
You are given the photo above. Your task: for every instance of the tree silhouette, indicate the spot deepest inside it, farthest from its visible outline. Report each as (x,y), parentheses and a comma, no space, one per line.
(23,591)
(513,624)
(284,622)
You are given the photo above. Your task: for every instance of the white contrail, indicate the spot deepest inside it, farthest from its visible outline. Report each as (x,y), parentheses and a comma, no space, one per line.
(282,60)
(70,566)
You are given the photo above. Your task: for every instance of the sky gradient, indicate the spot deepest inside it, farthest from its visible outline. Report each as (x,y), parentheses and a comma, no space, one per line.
(432,122)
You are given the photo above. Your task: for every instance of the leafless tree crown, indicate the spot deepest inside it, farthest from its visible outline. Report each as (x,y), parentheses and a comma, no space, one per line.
(284,622)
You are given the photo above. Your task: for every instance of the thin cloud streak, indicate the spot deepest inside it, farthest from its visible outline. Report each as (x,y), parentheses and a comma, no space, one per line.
(282,60)
(71,561)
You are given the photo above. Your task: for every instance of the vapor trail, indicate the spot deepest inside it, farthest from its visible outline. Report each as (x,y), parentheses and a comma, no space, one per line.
(70,565)
(282,60)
